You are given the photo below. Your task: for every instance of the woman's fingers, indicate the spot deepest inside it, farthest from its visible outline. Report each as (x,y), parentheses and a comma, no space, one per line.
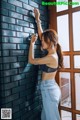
(36,11)
(34,36)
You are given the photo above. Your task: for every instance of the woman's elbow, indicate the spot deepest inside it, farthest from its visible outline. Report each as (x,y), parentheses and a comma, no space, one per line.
(30,61)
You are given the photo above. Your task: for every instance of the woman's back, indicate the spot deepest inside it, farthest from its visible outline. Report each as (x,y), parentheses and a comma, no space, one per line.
(49,70)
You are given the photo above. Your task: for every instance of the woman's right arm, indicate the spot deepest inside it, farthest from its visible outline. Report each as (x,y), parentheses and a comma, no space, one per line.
(38,21)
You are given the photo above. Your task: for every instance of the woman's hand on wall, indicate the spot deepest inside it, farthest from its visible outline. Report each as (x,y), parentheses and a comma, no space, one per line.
(37,14)
(34,38)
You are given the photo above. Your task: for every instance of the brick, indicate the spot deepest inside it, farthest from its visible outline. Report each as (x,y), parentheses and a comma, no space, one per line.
(22,34)
(17,77)
(24,1)
(8,19)
(4,39)
(10,98)
(19,101)
(0,60)
(5,52)
(5,0)
(2,80)
(28,7)
(0,46)
(9,85)
(15,15)
(18,114)
(0,53)
(16,52)
(8,33)
(6,93)
(18,89)
(29,19)
(22,23)
(15,2)
(22,58)
(15,109)
(18,119)
(38,1)
(8,6)
(8,72)
(4,25)
(21,11)
(31,25)
(22,94)
(6,66)
(33,4)
(8,105)
(9,46)
(1,67)
(23,46)
(4,12)
(15,40)
(22,82)
(22,105)
(17,65)
(15,27)
(29,30)
(21,70)
(9,59)
(24,117)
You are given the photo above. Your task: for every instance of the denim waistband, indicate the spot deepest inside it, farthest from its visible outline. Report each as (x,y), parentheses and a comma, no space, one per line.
(48,81)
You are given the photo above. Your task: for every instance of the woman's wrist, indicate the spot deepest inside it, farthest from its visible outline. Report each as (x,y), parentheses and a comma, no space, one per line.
(38,21)
(32,43)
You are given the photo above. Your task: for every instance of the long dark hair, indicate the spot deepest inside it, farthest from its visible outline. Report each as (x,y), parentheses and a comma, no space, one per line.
(52,35)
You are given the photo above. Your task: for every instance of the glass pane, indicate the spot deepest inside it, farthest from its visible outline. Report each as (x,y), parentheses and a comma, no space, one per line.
(77,90)
(63,32)
(66,115)
(61,7)
(66,61)
(77,61)
(65,86)
(76,3)
(77,117)
(76,31)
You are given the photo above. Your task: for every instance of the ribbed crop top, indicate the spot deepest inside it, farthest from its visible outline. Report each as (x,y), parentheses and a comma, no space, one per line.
(45,68)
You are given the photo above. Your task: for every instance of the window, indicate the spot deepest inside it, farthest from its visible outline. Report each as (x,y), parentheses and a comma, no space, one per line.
(76,30)
(77,61)
(66,61)
(61,7)
(63,32)
(74,4)
(65,86)
(77,90)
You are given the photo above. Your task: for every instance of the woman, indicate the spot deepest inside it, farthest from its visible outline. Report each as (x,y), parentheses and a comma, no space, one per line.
(49,65)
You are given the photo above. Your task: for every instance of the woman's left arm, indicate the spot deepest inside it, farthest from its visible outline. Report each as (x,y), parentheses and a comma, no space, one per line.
(37,61)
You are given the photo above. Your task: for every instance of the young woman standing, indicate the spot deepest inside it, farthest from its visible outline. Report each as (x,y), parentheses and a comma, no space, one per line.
(50,91)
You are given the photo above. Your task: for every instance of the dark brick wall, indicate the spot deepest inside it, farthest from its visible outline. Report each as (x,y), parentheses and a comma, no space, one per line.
(19,80)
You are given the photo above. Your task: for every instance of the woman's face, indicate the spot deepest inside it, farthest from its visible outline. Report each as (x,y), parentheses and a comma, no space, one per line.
(44,44)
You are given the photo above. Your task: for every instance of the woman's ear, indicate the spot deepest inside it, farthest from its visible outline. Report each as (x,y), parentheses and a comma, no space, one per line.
(52,45)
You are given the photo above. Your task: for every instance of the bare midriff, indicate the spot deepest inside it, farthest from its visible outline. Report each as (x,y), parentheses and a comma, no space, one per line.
(47,76)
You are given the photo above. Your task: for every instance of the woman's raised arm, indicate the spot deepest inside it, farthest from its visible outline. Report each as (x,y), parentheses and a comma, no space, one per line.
(38,21)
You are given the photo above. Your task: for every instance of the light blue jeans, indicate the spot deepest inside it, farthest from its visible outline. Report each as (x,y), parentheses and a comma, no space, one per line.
(51,96)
